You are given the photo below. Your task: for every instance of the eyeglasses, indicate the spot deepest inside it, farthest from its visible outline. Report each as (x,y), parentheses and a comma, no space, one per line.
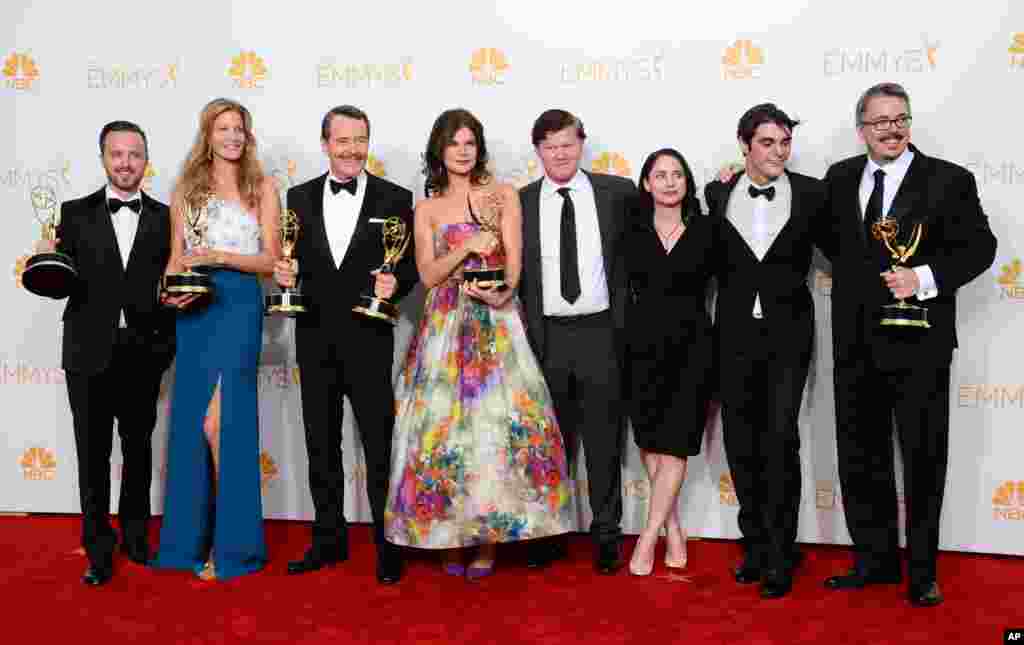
(881,125)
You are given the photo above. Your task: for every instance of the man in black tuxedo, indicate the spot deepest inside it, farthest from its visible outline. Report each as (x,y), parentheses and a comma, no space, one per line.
(769,220)
(118,340)
(573,290)
(884,371)
(342,353)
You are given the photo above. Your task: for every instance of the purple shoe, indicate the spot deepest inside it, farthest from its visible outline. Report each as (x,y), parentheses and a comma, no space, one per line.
(455,569)
(476,572)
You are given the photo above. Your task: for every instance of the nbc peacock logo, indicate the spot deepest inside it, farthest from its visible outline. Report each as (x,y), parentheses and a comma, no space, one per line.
(248,71)
(611,163)
(727,491)
(1008,501)
(38,464)
(1009,280)
(743,59)
(20,71)
(269,470)
(375,166)
(488,66)
(1017,51)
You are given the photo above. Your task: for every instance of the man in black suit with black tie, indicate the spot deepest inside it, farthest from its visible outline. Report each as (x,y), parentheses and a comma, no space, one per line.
(118,341)
(339,352)
(882,370)
(769,220)
(573,290)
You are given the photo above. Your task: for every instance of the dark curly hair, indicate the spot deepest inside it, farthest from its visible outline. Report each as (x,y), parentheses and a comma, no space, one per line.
(442,135)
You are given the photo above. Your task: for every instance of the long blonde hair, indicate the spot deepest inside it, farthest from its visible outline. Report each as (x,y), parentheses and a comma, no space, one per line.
(195,182)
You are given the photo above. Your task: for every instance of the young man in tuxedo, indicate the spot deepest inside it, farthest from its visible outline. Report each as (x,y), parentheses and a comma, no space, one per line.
(573,290)
(339,352)
(884,371)
(769,220)
(118,341)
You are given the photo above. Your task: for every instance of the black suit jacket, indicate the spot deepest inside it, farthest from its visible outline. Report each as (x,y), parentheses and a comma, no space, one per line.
(105,286)
(612,196)
(330,331)
(780,277)
(957,244)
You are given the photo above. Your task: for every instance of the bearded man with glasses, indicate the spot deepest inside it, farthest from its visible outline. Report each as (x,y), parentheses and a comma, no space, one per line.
(890,368)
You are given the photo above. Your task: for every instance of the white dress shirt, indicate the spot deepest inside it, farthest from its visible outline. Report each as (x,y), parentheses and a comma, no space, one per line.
(895,171)
(590,257)
(759,220)
(341,213)
(126,225)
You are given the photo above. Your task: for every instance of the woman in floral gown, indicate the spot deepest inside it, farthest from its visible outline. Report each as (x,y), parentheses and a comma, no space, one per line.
(478,457)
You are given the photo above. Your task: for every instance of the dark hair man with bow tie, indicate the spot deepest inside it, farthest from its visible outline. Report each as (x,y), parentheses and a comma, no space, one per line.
(117,342)
(769,219)
(341,353)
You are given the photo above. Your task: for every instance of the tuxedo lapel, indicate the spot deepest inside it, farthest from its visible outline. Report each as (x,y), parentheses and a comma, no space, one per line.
(147,229)
(722,196)
(791,225)
(103,236)
(911,189)
(314,225)
(531,243)
(363,229)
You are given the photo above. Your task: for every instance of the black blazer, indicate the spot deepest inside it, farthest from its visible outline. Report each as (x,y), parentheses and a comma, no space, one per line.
(780,277)
(105,287)
(330,330)
(612,196)
(957,244)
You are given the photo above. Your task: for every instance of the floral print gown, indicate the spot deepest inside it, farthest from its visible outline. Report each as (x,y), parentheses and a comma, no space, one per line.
(477,453)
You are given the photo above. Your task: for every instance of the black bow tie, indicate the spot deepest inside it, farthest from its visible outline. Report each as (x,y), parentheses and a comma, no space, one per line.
(349,185)
(769,192)
(115,204)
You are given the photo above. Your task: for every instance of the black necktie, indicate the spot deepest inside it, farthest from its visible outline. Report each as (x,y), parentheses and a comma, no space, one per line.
(349,185)
(115,204)
(570,266)
(873,211)
(755,192)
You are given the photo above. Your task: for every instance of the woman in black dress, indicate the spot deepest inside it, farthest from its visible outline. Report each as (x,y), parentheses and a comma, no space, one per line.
(669,262)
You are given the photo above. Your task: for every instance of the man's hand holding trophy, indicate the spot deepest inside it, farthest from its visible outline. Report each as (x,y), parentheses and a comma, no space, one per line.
(900,314)
(48,272)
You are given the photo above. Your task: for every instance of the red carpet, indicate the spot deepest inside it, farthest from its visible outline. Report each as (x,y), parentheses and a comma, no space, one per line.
(44,602)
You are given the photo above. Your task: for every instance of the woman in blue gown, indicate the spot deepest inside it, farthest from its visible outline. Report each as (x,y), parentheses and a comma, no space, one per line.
(213,515)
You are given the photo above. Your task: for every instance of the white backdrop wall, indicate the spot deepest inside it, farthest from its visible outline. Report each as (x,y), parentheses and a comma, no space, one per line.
(659,74)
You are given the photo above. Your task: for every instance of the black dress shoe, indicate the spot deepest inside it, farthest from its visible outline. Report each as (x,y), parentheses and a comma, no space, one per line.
(609,558)
(776,584)
(746,572)
(389,564)
(855,579)
(313,561)
(541,553)
(96,576)
(137,553)
(925,595)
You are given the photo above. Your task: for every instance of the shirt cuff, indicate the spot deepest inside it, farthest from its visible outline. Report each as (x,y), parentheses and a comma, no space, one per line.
(927,289)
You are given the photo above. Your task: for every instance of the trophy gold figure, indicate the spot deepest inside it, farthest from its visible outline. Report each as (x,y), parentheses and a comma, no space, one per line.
(50,273)
(289,302)
(396,235)
(189,281)
(489,218)
(900,314)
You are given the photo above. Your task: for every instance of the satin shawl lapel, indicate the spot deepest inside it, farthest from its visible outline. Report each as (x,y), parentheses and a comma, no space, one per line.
(364,230)
(721,205)
(795,214)
(314,224)
(146,241)
(101,234)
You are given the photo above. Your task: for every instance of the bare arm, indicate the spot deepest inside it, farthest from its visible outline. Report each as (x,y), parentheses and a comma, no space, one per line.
(512,234)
